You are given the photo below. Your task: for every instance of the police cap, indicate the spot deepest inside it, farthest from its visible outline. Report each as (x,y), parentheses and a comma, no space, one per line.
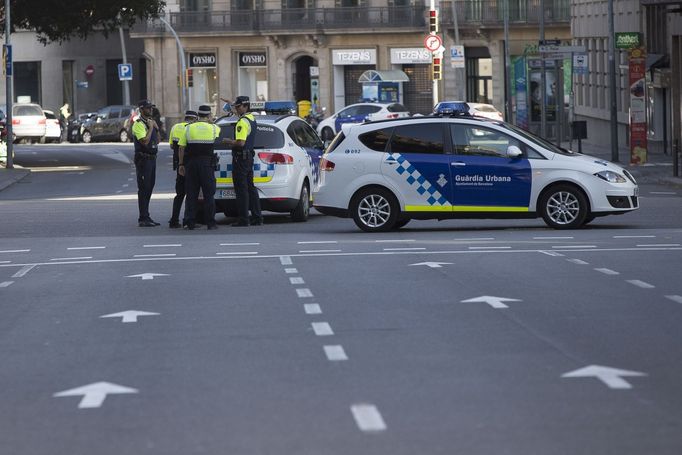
(190,114)
(241,100)
(144,103)
(204,110)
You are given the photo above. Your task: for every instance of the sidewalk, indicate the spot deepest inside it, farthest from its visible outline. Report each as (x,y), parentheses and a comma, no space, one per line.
(9,177)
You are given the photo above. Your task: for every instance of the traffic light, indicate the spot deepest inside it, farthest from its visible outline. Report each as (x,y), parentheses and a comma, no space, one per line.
(190,79)
(433,21)
(437,67)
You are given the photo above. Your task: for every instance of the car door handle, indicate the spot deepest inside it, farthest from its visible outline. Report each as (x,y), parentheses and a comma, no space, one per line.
(458,163)
(391,162)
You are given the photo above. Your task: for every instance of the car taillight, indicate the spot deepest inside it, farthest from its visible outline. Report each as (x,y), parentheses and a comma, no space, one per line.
(392,116)
(16,121)
(275,158)
(326,165)
(42,121)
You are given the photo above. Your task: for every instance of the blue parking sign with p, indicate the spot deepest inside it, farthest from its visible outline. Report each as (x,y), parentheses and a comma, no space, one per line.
(125,72)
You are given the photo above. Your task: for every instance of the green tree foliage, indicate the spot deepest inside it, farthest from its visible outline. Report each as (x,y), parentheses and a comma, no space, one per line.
(61,20)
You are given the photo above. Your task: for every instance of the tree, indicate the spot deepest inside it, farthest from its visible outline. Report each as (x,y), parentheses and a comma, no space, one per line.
(61,20)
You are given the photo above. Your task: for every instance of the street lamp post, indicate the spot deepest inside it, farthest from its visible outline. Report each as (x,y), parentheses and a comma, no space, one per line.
(181,51)
(126,85)
(8,87)
(612,85)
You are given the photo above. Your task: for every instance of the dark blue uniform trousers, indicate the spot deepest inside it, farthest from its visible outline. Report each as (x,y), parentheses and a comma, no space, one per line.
(179,197)
(200,173)
(245,190)
(145,169)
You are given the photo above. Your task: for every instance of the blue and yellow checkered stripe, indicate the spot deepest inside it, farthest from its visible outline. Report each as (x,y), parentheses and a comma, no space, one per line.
(262,173)
(433,200)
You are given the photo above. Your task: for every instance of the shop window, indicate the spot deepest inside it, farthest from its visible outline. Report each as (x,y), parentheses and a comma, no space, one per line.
(27,80)
(480,80)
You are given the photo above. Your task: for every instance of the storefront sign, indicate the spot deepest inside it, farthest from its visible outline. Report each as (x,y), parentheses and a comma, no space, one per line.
(628,40)
(202,60)
(638,128)
(253,59)
(410,55)
(354,57)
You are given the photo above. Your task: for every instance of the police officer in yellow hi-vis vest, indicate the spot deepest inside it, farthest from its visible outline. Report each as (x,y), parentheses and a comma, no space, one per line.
(146,141)
(242,164)
(197,163)
(178,130)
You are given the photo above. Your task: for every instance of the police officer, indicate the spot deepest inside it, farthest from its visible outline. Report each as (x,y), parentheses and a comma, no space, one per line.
(178,130)
(242,164)
(146,140)
(197,162)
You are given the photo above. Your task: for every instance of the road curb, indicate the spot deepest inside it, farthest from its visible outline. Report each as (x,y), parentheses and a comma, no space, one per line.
(9,177)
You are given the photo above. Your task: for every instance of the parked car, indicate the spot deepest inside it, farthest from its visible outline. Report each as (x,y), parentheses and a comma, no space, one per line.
(286,165)
(475,109)
(53,129)
(359,113)
(383,174)
(28,122)
(112,123)
(74,128)
(3,123)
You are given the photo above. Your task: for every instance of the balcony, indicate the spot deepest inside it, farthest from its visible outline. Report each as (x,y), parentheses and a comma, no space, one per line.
(292,21)
(490,13)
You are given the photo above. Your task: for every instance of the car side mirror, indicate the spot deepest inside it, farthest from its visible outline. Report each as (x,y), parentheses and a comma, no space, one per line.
(514,152)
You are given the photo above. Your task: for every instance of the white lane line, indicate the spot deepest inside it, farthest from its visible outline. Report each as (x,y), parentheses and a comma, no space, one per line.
(285,260)
(291,270)
(312,308)
(395,241)
(404,249)
(641,284)
(236,252)
(634,236)
(125,186)
(86,248)
(575,246)
(489,247)
(72,259)
(607,271)
(15,251)
(296,280)
(130,179)
(551,253)
(335,353)
(552,238)
(319,251)
(4,284)
(24,270)
(154,255)
(577,261)
(322,329)
(663,192)
(317,242)
(368,418)
(119,191)
(474,239)
(304,293)
(240,244)
(674,298)
(5,262)
(170,245)
(658,245)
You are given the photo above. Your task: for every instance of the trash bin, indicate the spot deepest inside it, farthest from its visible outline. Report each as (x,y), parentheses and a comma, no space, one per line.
(304,107)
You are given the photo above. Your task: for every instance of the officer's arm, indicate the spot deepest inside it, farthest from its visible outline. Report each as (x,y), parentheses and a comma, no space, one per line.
(141,132)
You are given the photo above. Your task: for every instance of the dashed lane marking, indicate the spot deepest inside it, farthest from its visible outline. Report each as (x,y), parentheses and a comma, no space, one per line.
(86,248)
(368,418)
(405,249)
(83,258)
(15,251)
(474,239)
(489,247)
(552,238)
(558,247)
(395,241)
(233,253)
(641,284)
(296,280)
(578,261)
(304,293)
(240,244)
(317,242)
(160,255)
(335,353)
(551,253)
(5,262)
(658,245)
(634,236)
(607,271)
(319,251)
(322,329)
(291,270)
(5,284)
(285,260)
(312,308)
(24,270)
(674,298)
(170,245)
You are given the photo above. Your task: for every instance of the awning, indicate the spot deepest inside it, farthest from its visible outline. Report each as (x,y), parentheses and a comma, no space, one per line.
(655,60)
(383,76)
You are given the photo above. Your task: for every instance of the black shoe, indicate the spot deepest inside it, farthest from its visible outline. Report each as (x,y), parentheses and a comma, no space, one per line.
(257,221)
(147,223)
(174,224)
(212,227)
(189,226)
(241,224)
(154,222)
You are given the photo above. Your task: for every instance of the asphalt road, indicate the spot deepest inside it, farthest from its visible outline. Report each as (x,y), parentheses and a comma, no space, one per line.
(456,337)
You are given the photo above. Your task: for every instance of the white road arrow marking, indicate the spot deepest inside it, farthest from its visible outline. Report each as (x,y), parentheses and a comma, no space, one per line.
(433,265)
(612,377)
(495,302)
(94,394)
(147,276)
(130,315)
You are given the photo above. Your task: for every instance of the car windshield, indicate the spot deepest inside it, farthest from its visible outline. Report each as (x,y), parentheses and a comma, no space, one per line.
(267,136)
(538,140)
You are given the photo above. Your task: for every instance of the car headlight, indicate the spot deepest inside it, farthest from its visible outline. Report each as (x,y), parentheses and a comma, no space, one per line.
(611,177)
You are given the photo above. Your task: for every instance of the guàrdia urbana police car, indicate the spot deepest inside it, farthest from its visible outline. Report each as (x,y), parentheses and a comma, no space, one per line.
(383,174)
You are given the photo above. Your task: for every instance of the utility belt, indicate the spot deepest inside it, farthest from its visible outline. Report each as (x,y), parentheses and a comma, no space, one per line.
(142,156)
(214,159)
(243,154)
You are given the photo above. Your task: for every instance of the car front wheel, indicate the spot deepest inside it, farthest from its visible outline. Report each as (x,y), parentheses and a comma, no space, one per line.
(123,136)
(86,137)
(302,210)
(564,207)
(375,210)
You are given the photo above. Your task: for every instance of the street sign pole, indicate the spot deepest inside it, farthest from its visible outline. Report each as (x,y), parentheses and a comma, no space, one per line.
(612,85)
(507,65)
(126,85)
(435,81)
(543,80)
(8,87)
(184,99)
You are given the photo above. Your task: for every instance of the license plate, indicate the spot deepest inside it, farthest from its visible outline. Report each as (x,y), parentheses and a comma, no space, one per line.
(226,194)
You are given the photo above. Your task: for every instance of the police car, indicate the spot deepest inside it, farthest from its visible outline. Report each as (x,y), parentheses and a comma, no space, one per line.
(359,113)
(285,169)
(383,174)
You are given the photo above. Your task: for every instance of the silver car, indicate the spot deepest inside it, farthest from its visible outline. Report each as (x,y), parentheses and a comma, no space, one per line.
(28,122)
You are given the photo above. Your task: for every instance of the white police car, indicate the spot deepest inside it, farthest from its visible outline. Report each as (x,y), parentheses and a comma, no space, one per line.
(383,174)
(359,113)
(285,169)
